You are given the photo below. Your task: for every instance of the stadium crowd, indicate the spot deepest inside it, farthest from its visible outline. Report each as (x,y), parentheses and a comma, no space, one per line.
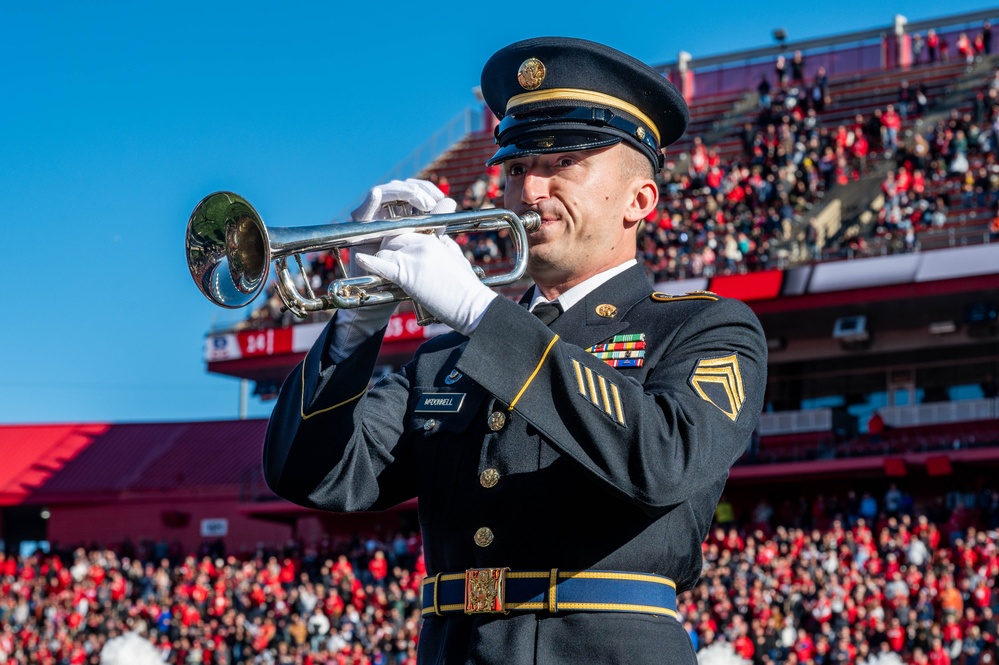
(953,168)
(726,210)
(834,580)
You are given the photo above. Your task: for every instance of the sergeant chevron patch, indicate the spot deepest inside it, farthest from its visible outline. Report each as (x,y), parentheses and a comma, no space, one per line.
(621,350)
(719,381)
(600,392)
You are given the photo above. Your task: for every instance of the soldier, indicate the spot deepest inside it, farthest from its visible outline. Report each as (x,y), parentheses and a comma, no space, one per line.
(567,462)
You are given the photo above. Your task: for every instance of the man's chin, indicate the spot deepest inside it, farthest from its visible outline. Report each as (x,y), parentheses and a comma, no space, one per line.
(540,261)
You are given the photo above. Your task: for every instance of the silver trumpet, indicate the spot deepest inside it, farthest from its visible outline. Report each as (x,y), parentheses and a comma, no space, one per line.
(229,251)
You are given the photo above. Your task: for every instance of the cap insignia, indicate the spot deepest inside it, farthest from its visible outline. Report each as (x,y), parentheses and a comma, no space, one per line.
(531,74)
(545,143)
(640,133)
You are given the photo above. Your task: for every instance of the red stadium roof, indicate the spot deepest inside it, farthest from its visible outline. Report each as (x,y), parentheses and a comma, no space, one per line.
(77,462)
(33,455)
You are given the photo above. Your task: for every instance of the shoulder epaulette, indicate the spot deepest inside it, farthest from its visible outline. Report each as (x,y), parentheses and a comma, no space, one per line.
(658,296)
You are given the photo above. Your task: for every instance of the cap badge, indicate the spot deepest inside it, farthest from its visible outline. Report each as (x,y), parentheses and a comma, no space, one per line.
(606,310)
(545,143)
(531,74)
(640,133)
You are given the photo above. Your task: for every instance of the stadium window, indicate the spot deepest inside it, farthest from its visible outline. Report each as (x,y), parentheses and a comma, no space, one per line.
(29,547)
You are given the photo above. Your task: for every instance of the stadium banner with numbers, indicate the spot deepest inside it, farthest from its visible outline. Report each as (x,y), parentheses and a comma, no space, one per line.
(299,339)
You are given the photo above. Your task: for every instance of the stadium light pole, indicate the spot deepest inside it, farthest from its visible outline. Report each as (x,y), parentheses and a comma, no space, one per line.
(244,391)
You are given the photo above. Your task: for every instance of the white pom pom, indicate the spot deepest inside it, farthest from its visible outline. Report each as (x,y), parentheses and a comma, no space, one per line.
(884,659)
(130,649)
(720,653)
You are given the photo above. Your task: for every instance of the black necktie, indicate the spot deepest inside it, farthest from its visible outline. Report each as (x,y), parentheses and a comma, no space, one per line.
(547,312)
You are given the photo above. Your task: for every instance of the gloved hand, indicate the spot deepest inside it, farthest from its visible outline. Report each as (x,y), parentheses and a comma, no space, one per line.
(422,195)
(434,272)
(356,325)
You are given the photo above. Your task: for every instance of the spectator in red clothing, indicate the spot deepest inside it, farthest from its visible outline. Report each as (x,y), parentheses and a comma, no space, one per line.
(891,123)
(698,163)
(442,183)
(378,567)
(932,44)
(964,48)
(743,645)
(876,424)
(937,654)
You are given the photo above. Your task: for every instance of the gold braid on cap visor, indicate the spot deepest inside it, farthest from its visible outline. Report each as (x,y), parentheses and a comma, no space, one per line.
(589,96)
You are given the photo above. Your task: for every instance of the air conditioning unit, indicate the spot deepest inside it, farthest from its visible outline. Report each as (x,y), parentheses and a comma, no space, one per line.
(943,327)
(852,332)
(982,319)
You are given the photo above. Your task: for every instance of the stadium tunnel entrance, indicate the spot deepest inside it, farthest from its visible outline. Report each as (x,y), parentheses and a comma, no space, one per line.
(23,527)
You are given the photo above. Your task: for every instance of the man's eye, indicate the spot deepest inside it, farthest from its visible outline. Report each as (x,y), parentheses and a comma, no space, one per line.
(566,161)
(515,170)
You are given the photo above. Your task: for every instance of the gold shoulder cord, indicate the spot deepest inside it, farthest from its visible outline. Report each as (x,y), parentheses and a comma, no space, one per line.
(306,416)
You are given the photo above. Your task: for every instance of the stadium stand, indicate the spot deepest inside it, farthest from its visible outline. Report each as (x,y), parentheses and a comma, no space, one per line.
(835,580)
(747,187)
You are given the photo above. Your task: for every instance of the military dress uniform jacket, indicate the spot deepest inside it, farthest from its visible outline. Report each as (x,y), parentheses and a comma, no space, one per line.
(552,458)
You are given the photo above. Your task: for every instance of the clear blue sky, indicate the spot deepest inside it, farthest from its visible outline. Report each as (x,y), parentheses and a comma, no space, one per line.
(117,117)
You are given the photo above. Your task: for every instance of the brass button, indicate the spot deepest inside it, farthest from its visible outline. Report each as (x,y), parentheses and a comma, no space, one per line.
(430,425)
(489,478)
(484,537)
(496,420)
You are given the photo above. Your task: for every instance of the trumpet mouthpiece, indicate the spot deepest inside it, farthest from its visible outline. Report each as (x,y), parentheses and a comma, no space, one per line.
(531,221)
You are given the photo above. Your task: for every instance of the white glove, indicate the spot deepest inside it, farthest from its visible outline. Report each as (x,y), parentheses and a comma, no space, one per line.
(422,195)
(434,272)
(353,326)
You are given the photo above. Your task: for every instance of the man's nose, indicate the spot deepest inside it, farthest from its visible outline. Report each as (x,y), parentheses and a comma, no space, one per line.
(535,188)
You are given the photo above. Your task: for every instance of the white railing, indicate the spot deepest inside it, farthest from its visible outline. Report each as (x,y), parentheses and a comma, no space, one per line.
(820,420)
(941,412)
(795,422)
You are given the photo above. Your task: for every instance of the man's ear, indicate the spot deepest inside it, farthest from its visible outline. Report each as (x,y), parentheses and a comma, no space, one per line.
(643,201)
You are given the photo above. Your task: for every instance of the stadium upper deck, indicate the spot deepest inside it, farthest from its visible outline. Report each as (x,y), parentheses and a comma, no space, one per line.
(831,211)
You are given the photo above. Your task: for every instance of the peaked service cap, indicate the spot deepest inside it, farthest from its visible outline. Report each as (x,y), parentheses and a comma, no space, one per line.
(555,94)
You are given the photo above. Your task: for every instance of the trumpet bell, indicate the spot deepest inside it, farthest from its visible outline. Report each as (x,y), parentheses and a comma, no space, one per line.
(228,252)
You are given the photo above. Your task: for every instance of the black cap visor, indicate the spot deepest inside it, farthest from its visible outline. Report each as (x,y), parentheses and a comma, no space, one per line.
(546,143)
(570,128)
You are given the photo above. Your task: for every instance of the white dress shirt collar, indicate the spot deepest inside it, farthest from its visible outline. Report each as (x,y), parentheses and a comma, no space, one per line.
(581,290)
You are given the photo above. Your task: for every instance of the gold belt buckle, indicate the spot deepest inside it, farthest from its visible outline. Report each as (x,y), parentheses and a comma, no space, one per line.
(485,590)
